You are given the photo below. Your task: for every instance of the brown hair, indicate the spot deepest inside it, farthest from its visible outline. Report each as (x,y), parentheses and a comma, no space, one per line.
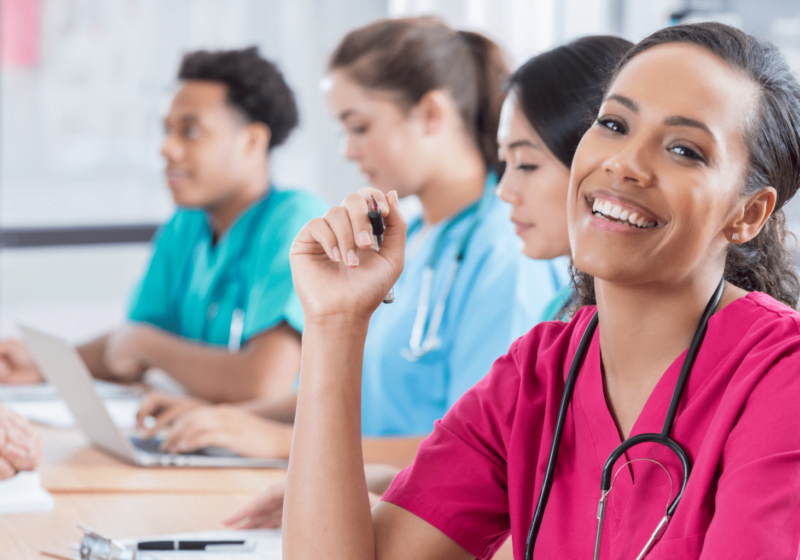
(413,56)
(765,263)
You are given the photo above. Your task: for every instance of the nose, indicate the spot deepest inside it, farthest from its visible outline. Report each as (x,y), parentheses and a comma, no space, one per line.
(630,163)
(508,189)
(171,148)
(348,148)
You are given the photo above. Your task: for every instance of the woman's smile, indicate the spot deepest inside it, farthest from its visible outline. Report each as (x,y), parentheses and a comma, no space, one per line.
(613,213)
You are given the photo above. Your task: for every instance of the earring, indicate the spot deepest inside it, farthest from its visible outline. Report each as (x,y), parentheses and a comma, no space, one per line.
(735,237)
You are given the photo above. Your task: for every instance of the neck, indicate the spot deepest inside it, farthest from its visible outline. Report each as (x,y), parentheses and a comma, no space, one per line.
(457,184)
(643,331)
(223,213)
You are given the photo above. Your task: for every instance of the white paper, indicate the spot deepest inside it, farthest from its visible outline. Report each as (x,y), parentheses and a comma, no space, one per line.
(56,414)
(47,392)
(268,545)
(23,493)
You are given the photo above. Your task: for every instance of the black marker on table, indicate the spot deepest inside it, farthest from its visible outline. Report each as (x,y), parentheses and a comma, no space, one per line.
(378,228)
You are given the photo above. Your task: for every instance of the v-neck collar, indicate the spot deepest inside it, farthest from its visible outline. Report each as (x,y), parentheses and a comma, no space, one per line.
(590,399)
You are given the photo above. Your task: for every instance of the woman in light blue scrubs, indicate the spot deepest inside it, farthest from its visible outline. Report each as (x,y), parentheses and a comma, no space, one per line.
(420,105)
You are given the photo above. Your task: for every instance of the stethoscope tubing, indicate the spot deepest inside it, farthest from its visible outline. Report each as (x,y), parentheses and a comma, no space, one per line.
(424,340)
(662,438)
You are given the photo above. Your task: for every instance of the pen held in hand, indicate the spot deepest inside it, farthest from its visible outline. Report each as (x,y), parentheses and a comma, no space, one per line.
(376,219)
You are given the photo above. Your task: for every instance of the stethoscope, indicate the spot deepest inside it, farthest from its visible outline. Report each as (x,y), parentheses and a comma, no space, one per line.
(425,333)
(662,438)
(237,316)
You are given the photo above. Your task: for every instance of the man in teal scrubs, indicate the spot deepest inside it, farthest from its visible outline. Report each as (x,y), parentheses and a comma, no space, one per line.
(216,308)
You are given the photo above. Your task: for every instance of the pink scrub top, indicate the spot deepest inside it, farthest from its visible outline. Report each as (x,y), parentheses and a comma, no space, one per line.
(478,476)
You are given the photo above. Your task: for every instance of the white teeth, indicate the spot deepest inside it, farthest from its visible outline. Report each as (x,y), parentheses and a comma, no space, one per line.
(609,210)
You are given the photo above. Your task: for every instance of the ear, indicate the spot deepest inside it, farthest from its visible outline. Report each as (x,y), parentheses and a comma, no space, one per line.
(431,109)
(258,137)
(752,216)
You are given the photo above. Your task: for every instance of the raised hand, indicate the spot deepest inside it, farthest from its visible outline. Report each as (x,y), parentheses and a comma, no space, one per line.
(334,267)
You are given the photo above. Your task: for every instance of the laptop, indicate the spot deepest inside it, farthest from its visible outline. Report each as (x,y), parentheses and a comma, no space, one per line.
(62,366)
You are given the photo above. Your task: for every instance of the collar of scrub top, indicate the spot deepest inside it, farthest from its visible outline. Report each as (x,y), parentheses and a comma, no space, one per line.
(237,317)
(425,333)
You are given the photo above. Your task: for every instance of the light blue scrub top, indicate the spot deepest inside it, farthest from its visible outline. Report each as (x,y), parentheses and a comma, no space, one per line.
(403,398)
(543,287)
(192,286)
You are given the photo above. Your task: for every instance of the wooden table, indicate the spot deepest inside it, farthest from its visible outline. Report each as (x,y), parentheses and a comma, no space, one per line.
(121,500)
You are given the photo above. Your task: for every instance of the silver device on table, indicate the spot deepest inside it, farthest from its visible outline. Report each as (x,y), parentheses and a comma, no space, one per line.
(62,366)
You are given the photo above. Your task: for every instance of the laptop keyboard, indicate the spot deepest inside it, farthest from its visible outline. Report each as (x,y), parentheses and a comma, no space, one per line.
(153,446)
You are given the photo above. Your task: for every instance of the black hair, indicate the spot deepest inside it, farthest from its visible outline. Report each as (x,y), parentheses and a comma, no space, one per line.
(765,263)
(412,56)
(255,87)
(560,91)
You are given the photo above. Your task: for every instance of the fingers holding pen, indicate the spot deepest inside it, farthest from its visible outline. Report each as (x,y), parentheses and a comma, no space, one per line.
(339,221)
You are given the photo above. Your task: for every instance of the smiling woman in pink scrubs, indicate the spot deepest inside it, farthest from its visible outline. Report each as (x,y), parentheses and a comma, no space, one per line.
(679,183)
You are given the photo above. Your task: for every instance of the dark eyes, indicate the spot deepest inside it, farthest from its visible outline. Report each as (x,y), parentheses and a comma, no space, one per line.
(521,167)
(612,124)
(358,130)
(618,127)
(187,132)
(687,153)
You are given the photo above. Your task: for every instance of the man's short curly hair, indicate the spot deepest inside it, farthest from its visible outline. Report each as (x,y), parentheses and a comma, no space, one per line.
(255,86)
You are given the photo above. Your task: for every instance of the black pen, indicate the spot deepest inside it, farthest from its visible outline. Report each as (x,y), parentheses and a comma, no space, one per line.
(210,546)
(376,219)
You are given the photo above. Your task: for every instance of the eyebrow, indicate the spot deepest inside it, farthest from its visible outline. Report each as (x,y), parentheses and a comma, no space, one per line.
(522,144)
(346,113)
(622,100)
(683,121)
(669,121)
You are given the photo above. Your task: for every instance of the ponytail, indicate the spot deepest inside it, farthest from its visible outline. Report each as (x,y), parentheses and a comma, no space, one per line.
(413,56)
(492,73)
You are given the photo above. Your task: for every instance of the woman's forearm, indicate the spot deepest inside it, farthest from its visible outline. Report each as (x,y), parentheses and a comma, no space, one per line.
(327,510)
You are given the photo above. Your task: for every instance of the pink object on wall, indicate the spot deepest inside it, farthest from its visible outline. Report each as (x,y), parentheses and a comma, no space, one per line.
(19,32)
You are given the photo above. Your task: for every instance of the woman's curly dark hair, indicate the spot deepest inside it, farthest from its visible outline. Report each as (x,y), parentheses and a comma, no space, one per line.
(255,87)
(765,263)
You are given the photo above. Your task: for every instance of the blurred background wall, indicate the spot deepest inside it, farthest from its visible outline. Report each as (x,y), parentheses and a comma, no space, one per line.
(84,85)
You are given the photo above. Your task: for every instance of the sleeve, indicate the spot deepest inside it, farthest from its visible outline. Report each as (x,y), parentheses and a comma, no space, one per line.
(272,298)
(151,300)
(485,319)
(458,481)
(757,509)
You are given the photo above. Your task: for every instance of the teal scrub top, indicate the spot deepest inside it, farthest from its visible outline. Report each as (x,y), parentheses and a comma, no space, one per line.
(192,286)
(404,398)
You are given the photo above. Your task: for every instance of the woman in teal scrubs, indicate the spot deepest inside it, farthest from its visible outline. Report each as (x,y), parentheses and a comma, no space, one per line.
(216,308)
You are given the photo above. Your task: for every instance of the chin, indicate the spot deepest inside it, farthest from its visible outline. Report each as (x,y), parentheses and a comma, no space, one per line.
(186,200)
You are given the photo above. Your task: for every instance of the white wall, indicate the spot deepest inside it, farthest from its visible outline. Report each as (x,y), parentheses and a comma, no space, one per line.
(80,133)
